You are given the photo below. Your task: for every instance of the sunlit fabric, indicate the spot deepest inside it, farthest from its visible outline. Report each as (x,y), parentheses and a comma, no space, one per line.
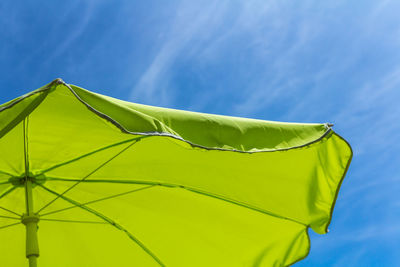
(122,184)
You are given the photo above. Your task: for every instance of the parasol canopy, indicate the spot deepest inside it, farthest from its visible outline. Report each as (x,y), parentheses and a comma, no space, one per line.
(89,180)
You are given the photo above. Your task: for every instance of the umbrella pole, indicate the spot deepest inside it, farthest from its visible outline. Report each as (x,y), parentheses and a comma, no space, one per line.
(32,262)
(30,219)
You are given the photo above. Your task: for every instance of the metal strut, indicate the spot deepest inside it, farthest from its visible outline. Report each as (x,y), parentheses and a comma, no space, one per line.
(30,220)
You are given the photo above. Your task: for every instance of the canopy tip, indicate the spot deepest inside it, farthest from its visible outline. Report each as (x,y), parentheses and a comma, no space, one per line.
(58,81)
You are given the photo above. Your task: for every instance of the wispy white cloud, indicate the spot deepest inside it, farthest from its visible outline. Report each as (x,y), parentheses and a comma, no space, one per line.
(308,88)
(65,43)
(374,232)
(371,113)
(353,260)
(187,30)
(52,46)
(204,32)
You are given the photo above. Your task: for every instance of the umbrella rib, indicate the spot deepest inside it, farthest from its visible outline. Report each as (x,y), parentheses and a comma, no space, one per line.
(108,220)
(10,211)
(9,217)
(72,221)
(95,170)
(7,192)
(97,200)
(9,225)
(194,190)
(90,153)
(3,195)
(9,174)
(238,203)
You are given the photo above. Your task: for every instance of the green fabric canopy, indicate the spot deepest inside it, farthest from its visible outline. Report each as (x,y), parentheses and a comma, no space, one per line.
(112,183)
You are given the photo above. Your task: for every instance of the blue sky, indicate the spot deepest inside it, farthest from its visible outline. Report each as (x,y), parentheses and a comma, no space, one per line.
(302,61)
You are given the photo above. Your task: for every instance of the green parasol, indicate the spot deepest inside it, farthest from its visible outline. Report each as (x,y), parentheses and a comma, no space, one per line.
(89,180)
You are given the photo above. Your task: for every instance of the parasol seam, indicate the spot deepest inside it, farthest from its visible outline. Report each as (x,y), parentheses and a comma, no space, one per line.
(58,81)
(124,130)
